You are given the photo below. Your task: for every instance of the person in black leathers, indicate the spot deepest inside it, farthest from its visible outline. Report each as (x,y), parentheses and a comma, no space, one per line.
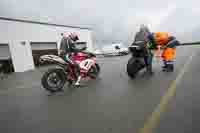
(143,35)
(67,47)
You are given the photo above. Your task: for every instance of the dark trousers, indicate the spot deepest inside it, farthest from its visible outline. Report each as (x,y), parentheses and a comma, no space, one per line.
(148,61)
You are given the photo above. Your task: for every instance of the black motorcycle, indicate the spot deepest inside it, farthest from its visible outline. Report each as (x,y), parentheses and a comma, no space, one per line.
(136,63)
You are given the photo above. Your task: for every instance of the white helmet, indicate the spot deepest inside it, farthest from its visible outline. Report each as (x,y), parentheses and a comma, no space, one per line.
(72,35)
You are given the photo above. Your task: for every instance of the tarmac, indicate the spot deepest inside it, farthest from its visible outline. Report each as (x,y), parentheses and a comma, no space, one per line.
(114,103)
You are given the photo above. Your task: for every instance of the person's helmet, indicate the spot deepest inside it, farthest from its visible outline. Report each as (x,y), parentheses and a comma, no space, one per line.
(143,27)
(72,35)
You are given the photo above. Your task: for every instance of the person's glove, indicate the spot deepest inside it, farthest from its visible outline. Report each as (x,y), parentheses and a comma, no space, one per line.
(163,47)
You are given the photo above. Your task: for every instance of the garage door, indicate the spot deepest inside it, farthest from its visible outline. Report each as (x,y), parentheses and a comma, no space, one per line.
(4,51)
(43,45)
(43,48)
(5,59)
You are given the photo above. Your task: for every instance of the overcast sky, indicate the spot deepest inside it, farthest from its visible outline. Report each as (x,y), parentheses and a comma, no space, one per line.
(112,19)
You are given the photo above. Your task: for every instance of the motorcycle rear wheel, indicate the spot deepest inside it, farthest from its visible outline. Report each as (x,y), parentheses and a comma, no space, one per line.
(53,80)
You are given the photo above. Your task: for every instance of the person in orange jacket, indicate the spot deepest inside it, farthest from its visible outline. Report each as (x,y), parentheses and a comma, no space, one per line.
(168,43)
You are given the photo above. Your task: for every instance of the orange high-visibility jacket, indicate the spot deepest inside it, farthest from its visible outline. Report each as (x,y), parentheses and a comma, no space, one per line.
(162,38)
(168,54)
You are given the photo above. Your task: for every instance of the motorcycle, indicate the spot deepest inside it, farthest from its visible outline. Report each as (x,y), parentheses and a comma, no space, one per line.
(136,63)
(54,79)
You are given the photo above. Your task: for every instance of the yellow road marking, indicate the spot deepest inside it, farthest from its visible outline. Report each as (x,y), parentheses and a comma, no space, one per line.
(154,118)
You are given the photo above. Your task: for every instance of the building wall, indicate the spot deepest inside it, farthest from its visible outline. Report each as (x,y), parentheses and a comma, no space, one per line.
(15,33)
(19,31)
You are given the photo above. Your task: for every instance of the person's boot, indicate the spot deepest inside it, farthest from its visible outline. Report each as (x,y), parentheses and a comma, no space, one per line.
(164,68)
(78,81)
(149,70)
(170,68)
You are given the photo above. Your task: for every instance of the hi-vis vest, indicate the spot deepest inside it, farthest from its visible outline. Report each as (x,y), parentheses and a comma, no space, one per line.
(161,38)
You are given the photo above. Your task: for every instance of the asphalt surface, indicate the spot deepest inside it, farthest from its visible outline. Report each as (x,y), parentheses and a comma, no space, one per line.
(182,115)
(111,104)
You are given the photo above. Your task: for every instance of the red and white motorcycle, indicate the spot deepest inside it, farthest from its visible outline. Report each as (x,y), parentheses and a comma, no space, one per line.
(55,78)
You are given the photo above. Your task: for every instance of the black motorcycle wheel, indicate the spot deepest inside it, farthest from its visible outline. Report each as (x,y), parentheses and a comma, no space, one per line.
(94,71)
(53,80)
(133,67)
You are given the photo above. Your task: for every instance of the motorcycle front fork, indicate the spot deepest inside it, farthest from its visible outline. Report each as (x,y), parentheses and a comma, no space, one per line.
(75,78)
(82,74)
(78,80)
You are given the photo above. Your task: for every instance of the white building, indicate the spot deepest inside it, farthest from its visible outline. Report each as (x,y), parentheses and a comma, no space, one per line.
(19,37)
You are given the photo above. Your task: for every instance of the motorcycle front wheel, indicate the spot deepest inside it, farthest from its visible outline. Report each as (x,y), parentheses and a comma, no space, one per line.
(133,67)
(53,80)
